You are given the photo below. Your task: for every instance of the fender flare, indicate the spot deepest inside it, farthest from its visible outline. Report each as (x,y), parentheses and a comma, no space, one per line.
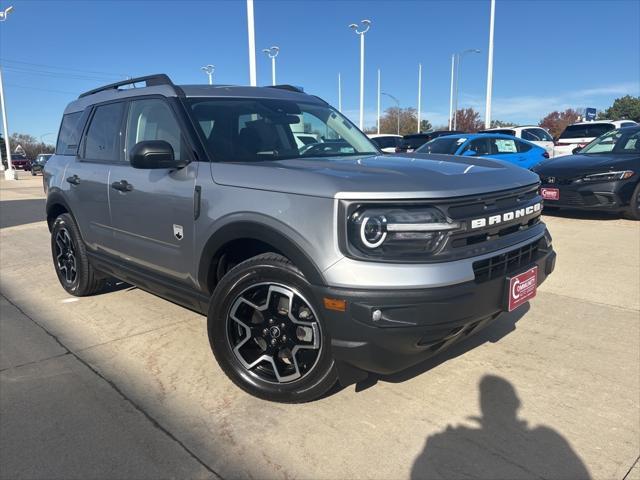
(55,197)
(255,230)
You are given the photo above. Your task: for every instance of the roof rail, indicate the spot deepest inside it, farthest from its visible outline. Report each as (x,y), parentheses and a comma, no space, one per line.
(291,88)
(150,81)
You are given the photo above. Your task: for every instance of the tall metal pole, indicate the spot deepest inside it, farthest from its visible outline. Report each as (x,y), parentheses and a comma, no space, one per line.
(378,101)
(208,69)
(487,115)
(459,58)
(272,53)
(339,93)
(361,30)
(451,93)
(419,94)
(252,44)
(10,173)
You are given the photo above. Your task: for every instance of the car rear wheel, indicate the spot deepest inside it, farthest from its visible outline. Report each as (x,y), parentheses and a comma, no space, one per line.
(76,275)
(267,333)
(633,212)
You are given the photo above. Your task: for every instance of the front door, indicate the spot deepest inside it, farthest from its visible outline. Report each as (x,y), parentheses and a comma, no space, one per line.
(152,210)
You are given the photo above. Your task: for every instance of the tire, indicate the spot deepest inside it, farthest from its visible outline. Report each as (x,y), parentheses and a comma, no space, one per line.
(76,275)
(633,212)
(33,174)
(266,333)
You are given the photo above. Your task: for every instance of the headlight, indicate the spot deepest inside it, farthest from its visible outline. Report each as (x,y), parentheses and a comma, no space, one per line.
(396,232)
(608,176)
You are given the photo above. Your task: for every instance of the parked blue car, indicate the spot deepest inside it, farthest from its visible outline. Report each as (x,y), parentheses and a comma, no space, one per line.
(491,145)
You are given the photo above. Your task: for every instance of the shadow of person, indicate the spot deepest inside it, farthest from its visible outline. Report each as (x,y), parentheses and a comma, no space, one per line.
(503,447)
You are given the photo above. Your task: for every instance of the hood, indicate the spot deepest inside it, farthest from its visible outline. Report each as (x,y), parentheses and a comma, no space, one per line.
(377,177)
(576,165)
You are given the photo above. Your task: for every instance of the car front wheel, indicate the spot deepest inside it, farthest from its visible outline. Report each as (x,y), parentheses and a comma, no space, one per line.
(633,212)
(267,333)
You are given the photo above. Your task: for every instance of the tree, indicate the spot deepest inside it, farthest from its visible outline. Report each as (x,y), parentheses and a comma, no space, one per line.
(408,121)
(556,122)
(468,120)
(425,125)
(29,144)
(624,108)
(501,124)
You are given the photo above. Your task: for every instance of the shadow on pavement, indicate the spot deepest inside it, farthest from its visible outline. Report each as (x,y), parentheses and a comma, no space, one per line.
(500,447)
(21,212)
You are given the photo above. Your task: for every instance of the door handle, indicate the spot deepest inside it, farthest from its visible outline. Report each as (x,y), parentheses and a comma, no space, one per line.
(122,186)
(74,180)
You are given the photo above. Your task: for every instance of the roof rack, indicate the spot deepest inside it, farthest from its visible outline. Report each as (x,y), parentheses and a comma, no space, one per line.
(291,88)
(150,81)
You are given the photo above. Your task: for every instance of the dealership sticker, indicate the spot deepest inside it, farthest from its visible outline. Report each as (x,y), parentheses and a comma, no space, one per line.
(522,288)
(550,193)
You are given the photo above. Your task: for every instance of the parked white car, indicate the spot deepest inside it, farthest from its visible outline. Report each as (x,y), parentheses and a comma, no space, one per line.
(580,134)
(531,133)
(386,142)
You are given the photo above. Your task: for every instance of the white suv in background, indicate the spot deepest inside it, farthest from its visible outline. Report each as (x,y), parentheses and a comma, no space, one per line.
(387,142)
(531,133)
(580,134)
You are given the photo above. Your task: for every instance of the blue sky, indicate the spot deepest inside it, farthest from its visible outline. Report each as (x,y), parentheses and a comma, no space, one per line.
(548,54)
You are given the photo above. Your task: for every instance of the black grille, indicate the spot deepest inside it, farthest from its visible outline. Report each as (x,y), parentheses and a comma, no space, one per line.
(506,263)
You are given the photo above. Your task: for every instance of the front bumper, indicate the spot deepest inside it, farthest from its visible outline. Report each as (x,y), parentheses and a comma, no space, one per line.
(419,323)
(607,196)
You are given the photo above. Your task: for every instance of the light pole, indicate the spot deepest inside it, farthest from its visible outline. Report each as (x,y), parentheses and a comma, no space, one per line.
(453,61)
(361,30)
(10,173)
(339,93)
(378,102)
(419,93)
(487,113)
(251,32)
(459,58)
(209,69)
(272,53)
(398,105)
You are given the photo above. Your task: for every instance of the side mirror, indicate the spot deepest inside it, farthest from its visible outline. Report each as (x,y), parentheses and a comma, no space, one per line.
(469,153)
(154,154)
(576,150)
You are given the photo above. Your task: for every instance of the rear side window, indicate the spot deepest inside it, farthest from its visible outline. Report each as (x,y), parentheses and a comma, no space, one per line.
(503,146)
(587,130)
(523,147)
(69,134)
(102,141)
(386,142)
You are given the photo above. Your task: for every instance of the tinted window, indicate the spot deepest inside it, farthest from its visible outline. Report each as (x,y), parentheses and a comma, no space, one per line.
(152,119)
(386,142)
(69,134)
(250,130)
(542,134)
(617,141)
(447,145)
(586,130)
(480,145)
(103,136)
(628,124)
(523,147)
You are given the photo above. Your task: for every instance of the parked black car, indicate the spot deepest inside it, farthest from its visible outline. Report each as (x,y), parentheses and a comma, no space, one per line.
(411,142)
(37,165)
(604,175)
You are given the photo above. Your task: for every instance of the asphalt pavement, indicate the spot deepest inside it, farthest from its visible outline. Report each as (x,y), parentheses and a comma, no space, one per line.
(123,384)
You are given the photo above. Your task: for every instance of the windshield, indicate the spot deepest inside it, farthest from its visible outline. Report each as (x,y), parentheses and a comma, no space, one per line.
(446,145)
(255,129)
(586,130)
(626,140)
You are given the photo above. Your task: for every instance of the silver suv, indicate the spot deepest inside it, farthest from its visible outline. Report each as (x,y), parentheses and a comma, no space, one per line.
(315,262)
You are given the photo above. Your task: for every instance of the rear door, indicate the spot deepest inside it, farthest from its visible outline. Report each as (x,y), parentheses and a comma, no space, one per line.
(505,149)
(88,175)
(539,137)
(153,217)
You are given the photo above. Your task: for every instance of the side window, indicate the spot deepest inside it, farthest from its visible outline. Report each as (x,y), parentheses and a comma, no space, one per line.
(628,124)
(503,146)
(152,119)
(529,134)
(69,134)
(102,141)
(523,147)
(479,145)
(543,135)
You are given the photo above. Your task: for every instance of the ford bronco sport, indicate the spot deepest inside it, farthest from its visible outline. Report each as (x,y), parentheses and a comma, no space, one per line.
(313,263)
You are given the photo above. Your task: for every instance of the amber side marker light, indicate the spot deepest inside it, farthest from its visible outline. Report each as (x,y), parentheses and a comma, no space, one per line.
(335,304)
